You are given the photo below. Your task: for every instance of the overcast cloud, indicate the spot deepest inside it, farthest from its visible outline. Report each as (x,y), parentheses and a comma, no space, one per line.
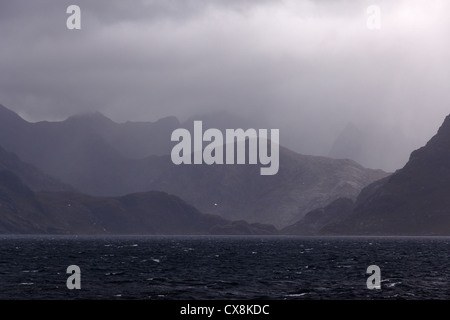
(309,67)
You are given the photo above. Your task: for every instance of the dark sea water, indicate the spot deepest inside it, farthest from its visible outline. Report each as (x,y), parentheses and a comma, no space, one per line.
(210,268)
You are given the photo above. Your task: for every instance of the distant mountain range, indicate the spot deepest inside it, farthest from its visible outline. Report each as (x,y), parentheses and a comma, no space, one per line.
(32,202)
(414,200)
(102,158)
(23,211)
(131,195)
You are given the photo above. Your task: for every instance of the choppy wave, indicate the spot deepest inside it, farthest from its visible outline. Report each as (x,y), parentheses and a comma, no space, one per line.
(224,267)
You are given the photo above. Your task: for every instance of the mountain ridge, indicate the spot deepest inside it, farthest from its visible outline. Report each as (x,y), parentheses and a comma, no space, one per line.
(23,211)
(81,156)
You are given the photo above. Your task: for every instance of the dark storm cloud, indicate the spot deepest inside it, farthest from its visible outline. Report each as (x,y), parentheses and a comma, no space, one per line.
(128,52)
(310,67)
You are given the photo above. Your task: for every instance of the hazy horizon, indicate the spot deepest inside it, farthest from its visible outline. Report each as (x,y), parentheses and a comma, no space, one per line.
(309,68)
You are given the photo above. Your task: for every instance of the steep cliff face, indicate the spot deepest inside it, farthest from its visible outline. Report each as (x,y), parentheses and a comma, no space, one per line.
(415,200)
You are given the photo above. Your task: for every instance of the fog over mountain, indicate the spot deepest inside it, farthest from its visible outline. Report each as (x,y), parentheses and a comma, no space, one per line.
(89,152)
(305,67)
(412,201)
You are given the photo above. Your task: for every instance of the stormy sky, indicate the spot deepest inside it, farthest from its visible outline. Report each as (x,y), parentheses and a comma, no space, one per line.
(307,67)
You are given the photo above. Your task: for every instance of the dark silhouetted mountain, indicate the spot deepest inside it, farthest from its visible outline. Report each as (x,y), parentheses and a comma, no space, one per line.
(132,139)
(79,152)
(47,144)
(313,222)
(413,201)
(23,211)
(20,211)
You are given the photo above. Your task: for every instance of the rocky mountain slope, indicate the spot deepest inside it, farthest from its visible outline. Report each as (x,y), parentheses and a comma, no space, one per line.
(23,211)
(412,201)
(29,174)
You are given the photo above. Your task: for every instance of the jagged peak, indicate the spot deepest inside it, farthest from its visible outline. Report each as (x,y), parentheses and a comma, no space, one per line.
(440,140)
(445,127)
